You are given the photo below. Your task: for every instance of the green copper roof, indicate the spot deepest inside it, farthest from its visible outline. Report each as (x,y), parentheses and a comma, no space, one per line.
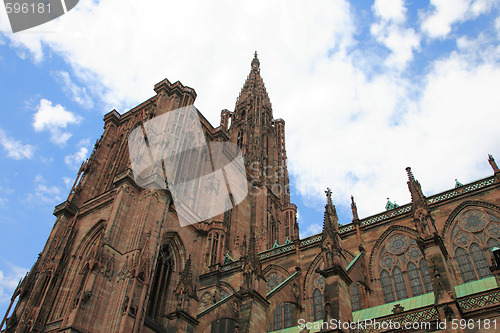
(476,286)
(353,261)
(386,309)
(389,205)
(282,284)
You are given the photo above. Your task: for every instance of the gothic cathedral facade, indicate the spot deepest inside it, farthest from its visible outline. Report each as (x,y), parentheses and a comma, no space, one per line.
(117,259)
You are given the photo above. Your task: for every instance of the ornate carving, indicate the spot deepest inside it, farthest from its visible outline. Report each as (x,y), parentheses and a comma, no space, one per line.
(397,308)
(398,244)
(252,270)
(85,297)
(480,301)
(273,280)
(185,290)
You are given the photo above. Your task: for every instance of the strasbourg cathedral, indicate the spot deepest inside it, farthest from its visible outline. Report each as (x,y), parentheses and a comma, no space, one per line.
(118,260)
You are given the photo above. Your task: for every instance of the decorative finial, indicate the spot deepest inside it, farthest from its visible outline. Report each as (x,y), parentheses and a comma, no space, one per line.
(410,174)
(255,61)
(354,209)
(328,195)
(493,164)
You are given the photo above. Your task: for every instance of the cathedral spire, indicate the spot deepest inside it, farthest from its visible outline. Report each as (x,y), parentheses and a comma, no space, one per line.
(254,93)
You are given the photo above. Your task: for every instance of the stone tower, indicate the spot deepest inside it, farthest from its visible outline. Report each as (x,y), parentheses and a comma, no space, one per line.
(117,259)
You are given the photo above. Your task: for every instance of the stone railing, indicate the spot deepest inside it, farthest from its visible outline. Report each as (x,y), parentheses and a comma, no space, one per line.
(276,251)
(386,215)
(461,190)
(425,316)
(346,228)
(231,266)
(311,239)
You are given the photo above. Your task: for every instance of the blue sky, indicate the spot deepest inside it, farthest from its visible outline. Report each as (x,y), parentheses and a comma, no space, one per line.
(366,88)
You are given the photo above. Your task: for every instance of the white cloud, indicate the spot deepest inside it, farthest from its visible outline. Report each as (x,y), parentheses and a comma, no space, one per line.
(312,229)
(444,132)
(391,32)
(44,193)
(6,191)
(54,119)
(438,23)
(15,149)
(347,128)
(68,182)
(121,62)
(73,161)
(77,93)
(9,281)
(390,10)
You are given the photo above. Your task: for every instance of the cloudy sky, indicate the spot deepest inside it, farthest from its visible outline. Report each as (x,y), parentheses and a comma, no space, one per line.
(366,88)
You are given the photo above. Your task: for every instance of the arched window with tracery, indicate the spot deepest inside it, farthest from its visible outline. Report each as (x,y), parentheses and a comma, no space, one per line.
(318,304)
(474,233)
(403,270)
(283,317)
(356,297)
(273,280)
(162,284)
(318,289)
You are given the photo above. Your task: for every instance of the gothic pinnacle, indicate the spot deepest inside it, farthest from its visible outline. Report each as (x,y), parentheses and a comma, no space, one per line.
(354,209)
(410,174)
(493,164)
(255,62)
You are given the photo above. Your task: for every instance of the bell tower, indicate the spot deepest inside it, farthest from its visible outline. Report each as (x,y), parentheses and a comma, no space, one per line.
(261,139)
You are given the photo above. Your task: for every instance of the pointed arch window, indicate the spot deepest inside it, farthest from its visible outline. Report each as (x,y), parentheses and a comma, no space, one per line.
(239,140)
(283,317)
(415,282)
(403,270)
(42,289)
(480,261)
(399,283)
(492,242)
(355,297)
(162,286)
(83,279)
(387,289)
(215,246)
(474,233)
(426,277)
(465,265)
(318,304)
